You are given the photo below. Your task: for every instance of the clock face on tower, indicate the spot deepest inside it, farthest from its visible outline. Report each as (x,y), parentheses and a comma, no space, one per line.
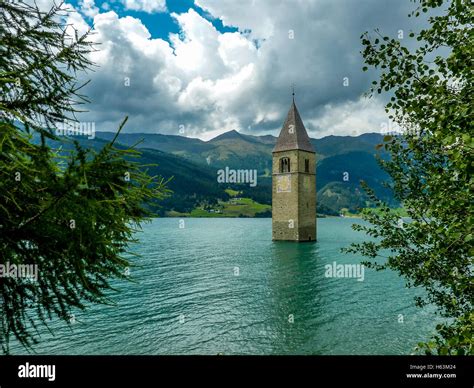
(283,184)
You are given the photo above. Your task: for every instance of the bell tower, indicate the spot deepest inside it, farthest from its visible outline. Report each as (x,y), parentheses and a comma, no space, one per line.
(293,182)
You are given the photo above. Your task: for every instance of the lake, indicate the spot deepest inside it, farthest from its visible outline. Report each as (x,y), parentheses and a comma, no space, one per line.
(221,286)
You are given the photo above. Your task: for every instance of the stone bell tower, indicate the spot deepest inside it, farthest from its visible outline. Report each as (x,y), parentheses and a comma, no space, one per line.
(293,182)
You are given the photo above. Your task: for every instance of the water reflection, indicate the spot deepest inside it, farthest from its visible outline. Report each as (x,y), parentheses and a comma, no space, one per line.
(190,272)
(296,276)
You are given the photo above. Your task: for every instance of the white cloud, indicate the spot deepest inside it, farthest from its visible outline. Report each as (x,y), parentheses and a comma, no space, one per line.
(208,82)
(350,118)
(149,6)
(259,16)
(69,14)
(235,51)
(195,81)
(195,48)
(76,23)
(88,8)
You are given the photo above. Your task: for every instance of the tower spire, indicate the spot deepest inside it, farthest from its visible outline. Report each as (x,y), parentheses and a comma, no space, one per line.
(293,135)
(293,91)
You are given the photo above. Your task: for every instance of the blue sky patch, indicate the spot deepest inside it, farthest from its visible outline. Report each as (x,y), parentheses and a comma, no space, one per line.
(159,24)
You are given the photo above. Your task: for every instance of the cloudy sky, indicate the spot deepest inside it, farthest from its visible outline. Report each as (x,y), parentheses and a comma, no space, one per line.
(200,68)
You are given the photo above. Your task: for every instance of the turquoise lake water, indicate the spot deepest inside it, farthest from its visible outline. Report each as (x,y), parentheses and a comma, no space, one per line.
(222,286)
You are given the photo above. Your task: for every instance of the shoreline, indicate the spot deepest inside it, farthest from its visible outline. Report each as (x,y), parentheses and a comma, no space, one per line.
(189,216)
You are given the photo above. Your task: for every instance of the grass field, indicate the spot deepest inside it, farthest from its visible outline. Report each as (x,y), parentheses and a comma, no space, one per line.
(235,207)
(401,212)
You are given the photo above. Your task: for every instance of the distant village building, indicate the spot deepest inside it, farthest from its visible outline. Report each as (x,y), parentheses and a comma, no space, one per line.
(294,182)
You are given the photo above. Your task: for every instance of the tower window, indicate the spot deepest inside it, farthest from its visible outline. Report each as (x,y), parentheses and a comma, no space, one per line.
(306,165)
(285,165)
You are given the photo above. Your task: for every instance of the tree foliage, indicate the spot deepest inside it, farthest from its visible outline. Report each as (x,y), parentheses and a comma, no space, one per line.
(431,167)
(71,215)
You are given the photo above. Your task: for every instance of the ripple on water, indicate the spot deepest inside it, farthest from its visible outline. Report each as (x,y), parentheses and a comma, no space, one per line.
(187,298)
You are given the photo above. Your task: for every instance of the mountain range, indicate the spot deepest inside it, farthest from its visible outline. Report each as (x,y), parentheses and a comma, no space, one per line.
(342,162)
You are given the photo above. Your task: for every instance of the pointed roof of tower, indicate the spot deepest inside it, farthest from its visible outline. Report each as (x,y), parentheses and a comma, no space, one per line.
(293,135)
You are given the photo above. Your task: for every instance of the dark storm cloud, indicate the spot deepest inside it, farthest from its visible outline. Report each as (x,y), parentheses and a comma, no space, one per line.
(208,82)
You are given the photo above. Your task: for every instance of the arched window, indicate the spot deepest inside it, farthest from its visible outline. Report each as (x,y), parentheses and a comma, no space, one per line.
(285,165)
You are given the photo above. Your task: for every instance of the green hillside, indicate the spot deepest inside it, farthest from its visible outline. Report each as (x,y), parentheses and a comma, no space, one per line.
(234,207)
(338,181)
(192,165)
(192,149)
(192,184)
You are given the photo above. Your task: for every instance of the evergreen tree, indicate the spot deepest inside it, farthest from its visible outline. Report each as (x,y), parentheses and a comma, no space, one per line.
(72,215)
